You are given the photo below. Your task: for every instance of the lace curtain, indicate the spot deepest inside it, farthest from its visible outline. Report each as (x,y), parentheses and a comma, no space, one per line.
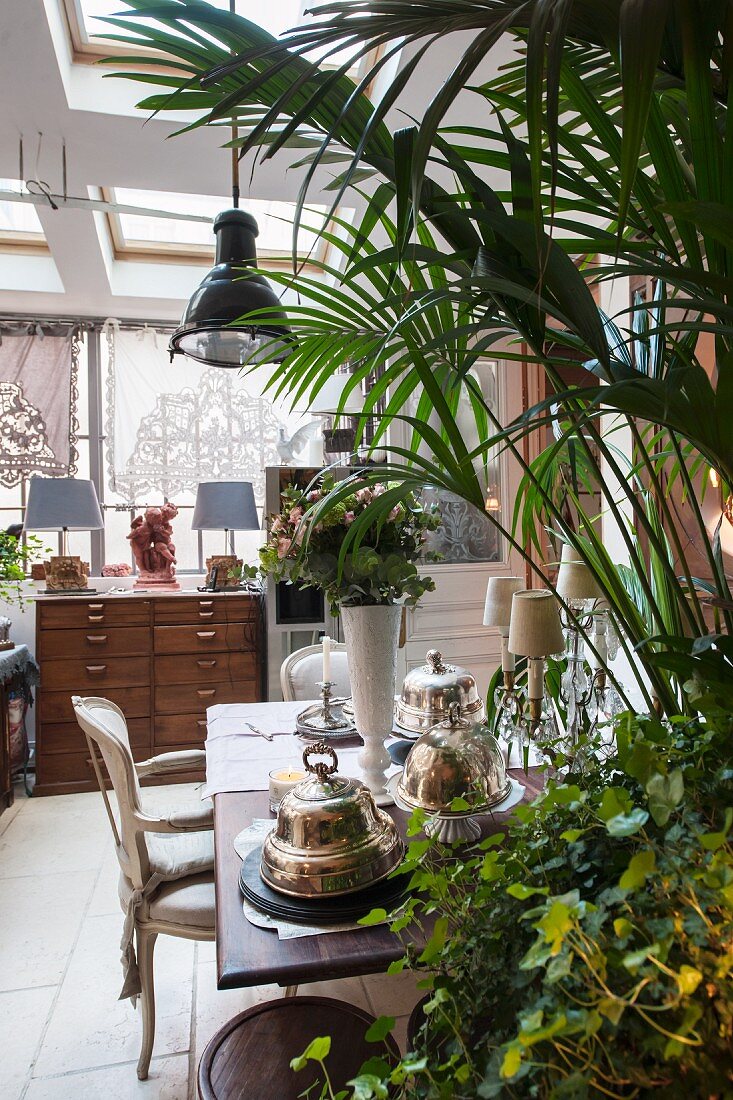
(38,400)
(170,426)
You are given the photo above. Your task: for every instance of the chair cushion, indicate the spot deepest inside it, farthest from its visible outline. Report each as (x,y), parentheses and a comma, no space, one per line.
(188,902)
(173,855)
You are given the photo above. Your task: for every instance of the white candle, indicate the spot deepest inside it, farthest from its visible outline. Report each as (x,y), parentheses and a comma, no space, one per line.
(326,657)
(281,781)
(535,677)
(508,662)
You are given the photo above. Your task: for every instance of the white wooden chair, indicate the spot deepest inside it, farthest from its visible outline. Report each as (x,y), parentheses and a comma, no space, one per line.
(303,670)
(166,863)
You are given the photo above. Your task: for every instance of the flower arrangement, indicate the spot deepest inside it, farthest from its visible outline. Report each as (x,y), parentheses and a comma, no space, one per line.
(379,568)
(15,557)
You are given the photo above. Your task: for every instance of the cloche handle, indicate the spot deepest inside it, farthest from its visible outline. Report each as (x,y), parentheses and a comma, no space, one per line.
(321,769)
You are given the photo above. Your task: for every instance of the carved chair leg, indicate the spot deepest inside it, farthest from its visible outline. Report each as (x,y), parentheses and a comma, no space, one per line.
(145,948)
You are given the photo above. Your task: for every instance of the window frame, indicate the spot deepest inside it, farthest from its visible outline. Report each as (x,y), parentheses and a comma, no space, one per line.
(130,250)
(86,52)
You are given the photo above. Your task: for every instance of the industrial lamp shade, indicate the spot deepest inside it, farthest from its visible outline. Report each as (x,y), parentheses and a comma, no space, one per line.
(62,503)
(535,629)
(207,331)
(498,606)
(225,506)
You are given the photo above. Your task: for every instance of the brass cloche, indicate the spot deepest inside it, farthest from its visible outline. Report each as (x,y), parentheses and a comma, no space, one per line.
(458,758)
(330,837)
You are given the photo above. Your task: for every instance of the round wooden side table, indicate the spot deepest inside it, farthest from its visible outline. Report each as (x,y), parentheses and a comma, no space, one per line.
(249,1058)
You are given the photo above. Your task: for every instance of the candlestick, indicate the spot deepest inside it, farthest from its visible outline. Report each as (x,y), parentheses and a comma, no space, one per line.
(326,643)
(508,663)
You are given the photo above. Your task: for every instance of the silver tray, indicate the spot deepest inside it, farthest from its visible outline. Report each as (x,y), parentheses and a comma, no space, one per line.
(342,727)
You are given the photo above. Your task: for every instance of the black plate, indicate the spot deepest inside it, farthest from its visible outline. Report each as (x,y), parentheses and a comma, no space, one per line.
(399,751)
(331,910)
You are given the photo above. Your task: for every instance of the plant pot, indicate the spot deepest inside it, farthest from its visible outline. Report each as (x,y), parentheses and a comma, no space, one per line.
(372,634)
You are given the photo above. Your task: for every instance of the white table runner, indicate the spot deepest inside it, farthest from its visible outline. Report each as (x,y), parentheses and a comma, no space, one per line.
(239,760)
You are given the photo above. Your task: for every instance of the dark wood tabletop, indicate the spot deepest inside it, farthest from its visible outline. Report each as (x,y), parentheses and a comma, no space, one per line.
(247,955)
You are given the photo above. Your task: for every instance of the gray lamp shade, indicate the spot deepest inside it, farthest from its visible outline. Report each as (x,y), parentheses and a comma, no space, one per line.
(58,502)
(225,506)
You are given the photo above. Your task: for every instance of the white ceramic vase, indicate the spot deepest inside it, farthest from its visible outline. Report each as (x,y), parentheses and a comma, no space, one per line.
(372,634)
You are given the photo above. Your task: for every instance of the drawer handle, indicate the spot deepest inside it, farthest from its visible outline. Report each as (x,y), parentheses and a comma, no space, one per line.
(203,694)
(206,614)
(206,603)
(95,606)
(96,618)
(96,638)
(206,664)
(96,668)
(205,633)
(201,722)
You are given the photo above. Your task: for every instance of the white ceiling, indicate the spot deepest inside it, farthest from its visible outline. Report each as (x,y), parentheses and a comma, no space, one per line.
(110,144)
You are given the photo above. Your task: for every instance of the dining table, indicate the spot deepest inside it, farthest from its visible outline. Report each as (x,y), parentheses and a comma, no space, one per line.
(237,759)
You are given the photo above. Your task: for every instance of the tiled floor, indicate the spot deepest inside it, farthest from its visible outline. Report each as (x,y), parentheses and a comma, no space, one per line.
(63,1033)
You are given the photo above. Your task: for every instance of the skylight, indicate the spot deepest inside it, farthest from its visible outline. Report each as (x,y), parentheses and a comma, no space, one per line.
(141,234)
(19,222)
(274,16)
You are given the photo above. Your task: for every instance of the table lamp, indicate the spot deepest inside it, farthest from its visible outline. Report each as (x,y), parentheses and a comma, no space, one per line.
(498,613)
(63,504)
(535,633)
(225,506)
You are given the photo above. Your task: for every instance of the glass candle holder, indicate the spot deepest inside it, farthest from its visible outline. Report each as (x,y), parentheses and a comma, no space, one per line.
(282,780)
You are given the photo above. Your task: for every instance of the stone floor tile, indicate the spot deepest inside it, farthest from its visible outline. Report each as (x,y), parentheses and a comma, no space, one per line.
(40,918)
(23,1015)
(168,1080)
(90,1027)
(393,994)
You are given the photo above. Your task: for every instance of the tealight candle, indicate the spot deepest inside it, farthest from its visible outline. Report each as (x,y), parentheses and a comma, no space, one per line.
(281,781)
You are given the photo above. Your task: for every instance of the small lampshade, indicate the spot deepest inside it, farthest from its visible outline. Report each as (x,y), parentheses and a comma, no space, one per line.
(327,401)
(535,629)
(225,506)
(498,606)
(574,579)
(55,503)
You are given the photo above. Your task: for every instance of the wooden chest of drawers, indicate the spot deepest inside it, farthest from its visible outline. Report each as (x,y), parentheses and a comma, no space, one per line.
(163,659)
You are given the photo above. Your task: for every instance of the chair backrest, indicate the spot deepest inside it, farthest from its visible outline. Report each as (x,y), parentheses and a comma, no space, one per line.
(105,729)
(302,670)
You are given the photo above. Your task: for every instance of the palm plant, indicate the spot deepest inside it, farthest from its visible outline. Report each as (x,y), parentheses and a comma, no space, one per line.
(625,135)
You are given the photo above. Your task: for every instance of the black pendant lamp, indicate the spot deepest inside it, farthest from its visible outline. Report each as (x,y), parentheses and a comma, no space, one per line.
(208,331)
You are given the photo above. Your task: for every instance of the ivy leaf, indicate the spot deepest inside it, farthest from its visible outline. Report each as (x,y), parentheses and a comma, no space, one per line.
(521,892)
(688,979)
(611,1008)
(512,1061)
(615,802)
(640,867)
(377,916)
(380,1029)
(627,824)
(665,792)
(623,927)
(316,1051)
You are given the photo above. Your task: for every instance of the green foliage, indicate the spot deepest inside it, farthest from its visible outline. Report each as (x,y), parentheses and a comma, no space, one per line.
(15,556)
(310,546)
(591,954)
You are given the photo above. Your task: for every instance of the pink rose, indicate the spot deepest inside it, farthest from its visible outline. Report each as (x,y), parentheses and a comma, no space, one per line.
(379,489)
(365,495)
(296,514)
(277,525)
(314,496)
(283,548)
(349,518)
(395,513)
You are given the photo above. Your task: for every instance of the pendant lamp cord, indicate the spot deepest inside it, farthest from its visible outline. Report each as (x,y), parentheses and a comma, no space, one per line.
(235,151)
